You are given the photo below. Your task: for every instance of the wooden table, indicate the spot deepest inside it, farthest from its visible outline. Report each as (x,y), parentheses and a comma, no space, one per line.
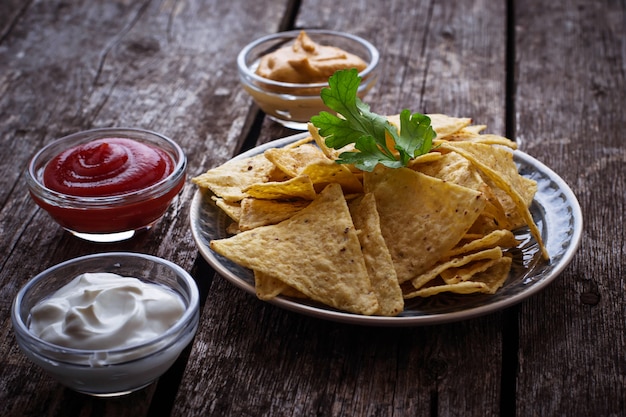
(551,75)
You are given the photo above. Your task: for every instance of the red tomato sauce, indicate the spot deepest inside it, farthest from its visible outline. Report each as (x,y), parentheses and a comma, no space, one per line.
(110,167)
(107,167)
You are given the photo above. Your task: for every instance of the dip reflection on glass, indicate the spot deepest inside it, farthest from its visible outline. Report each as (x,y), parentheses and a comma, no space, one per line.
(306,62)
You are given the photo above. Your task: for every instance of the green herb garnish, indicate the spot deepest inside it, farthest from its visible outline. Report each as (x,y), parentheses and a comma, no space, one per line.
(367,129)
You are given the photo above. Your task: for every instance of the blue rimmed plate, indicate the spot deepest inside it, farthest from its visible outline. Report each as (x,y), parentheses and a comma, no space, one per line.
(555,210)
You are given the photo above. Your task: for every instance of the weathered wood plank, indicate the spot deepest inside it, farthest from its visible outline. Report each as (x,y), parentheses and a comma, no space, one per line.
(253,359)
(570,96)
(70,66)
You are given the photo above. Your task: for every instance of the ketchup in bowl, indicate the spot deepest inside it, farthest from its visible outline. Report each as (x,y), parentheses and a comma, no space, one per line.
(107,184)
(106,167)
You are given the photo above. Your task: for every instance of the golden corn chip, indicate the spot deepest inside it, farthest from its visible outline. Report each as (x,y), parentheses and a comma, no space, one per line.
(502,238)
(268,287)
(465,287)
(455,168)
(377,258)
(489,139)
(442,124)
(445,125)
(229,180)
(417,162)
(466,272)
(298,187)
(471,130)
(321,143)
(292,161)
(423,279)
(421,225)
(494,277)
(233,210)
(452,167)
(324,172)
(497,164)
(488,282)
(330,269)
(256,212)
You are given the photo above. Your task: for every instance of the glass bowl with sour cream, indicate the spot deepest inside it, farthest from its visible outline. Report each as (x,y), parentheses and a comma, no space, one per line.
(107,324)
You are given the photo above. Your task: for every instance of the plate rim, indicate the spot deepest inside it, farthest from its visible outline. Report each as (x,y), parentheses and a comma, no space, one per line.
(396,321)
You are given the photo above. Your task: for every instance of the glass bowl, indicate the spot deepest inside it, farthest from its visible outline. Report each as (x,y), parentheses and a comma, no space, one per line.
(108,372)
(291,104)
(107,218)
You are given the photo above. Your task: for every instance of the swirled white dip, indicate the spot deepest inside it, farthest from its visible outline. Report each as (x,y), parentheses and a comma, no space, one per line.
(105,311)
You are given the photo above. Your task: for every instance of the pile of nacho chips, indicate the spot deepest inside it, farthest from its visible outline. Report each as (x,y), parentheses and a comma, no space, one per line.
(363,242)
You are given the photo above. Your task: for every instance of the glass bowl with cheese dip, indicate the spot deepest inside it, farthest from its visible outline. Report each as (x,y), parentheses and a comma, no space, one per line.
(107,324)
(285,72)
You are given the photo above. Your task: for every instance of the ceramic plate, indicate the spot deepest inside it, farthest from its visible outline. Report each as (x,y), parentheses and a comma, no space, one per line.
(555,210)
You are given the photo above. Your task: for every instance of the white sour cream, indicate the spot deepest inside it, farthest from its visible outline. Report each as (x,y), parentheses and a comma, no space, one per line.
(105,311)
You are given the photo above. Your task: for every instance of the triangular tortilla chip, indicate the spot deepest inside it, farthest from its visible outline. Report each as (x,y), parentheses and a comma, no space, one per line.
(420,226)
(466,272)
(503,238)
(229,180)
(233,210)
(324,172)
(267,287)
(377,258)
(255,212)
(298,187)
(423,279)
(292,161)
(317,252)
(497,164)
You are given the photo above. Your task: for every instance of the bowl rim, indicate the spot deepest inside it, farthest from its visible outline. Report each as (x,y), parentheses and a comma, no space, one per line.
(245,70)
(189,316)
(161,187)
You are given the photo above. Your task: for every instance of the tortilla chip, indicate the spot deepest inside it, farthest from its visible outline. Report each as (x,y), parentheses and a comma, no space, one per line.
(298,187)
(497,164)
(423,279)
(268,287)
(324,172)
(321,143)
(465,287)
(256,212)
(233,210)
(292,161)
(228,180)
(502,238)
(377,258)
(459,170)
(422,225)
(416,163)
(330,269)
(495,276)
(466,272)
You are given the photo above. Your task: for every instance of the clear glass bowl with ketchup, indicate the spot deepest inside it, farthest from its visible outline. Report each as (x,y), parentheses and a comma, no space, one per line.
(105,185)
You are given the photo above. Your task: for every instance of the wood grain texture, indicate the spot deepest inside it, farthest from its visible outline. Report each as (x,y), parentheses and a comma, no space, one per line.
(571,66)
(70,66)
(416,372)
(169,66)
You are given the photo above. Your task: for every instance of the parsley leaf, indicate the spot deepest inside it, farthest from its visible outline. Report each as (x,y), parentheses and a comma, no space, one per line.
(367,130)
